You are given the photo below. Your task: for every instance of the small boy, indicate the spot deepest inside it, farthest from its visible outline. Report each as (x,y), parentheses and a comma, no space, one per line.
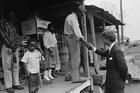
(32,58)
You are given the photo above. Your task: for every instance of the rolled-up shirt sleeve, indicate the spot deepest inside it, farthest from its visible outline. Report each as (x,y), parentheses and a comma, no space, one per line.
(76,28)
(25,58)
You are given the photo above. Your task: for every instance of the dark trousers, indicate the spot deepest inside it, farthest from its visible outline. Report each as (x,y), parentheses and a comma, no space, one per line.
(33,83)
(114,90)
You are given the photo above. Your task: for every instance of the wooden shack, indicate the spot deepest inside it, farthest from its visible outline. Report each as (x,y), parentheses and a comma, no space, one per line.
(93,24)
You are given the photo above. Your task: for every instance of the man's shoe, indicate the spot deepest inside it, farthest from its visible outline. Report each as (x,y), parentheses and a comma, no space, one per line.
(68,78)
(59,73)
(19,87)
(10,90)
(79,81)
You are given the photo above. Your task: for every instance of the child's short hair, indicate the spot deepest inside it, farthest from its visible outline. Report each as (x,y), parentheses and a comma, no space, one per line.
(110,35)
(31,40)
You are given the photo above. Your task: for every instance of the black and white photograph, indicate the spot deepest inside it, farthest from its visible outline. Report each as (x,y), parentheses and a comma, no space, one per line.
(69,46)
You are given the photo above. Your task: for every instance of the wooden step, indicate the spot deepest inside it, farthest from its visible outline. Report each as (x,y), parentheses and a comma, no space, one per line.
(80,87)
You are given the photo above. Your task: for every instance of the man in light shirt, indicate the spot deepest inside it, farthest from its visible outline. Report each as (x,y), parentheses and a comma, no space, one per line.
(74,37)
(115,64)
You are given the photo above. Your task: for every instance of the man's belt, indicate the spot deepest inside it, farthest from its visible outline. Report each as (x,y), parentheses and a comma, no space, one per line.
(70,35)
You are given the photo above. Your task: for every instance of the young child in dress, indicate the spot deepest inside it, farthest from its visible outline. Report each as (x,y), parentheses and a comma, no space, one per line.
(32,59)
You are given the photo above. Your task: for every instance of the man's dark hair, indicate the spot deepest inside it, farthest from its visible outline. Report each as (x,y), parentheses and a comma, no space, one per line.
(110,35)
(79,9)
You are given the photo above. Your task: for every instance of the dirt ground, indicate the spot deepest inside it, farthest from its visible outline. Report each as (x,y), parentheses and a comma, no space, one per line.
(132,88)
(135,86)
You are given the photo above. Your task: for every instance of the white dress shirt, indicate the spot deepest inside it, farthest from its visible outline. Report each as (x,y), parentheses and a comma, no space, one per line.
(72,26)
(110,47)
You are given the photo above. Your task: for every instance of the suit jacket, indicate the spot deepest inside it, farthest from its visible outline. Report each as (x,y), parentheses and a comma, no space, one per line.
(116,67)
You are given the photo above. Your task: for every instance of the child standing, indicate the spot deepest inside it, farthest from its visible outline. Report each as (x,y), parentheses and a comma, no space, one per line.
(32,58)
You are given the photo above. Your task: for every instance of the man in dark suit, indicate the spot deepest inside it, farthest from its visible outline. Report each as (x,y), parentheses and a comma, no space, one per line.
(115,64)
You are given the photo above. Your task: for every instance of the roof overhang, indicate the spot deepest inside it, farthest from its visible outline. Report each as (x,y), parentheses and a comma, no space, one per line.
(103,15)
(57,10)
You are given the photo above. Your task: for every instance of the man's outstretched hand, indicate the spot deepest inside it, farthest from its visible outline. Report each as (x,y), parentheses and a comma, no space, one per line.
(88,45)
(91,47)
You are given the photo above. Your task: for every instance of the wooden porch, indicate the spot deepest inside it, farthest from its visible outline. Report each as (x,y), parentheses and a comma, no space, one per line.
(59,85)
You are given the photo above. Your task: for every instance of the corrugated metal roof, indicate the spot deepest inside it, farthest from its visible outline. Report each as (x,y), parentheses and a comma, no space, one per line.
(103,15)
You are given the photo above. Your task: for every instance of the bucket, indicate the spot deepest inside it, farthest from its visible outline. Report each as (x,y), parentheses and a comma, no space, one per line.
(64,57)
